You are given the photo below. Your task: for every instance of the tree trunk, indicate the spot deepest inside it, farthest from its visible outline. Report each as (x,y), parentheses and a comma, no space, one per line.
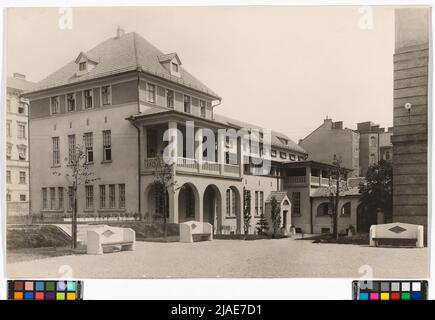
(74,222)
(337,198)
(165,229)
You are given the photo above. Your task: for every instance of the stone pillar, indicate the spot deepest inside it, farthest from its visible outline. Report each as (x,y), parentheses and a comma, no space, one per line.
(240,155)
(308,175)
(173,134)
(221,152)
(173,206)
(198,148)
(239,217)
(199,207)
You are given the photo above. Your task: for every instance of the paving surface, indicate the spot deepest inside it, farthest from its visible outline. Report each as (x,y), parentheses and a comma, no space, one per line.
(233,258)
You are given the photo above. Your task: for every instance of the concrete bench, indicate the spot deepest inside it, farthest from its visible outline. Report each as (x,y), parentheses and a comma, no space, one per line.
(105,236)
(192,231)
(396,234)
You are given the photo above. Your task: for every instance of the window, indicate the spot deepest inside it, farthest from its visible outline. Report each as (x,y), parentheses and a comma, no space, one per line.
(89,191)
(174,67)
(345,210)
(293,157)
(325,230)
(8,150)
(273,153)
(8,197)
(8,129)
(202,106)
(8,176)
(22,177)
(71,102)
(89,150)
(22,152)
(256,203)
(387,155)
(70,198)
(106,95)
(44,198)
(107,145)
(261,202)
(151,93)
(21,130)
(22,197)
(122,196)
(111,196)
(56,155)
(296,199)
(71,148)
(228,198)
(233,203)
(88,99)
(170,99)
(283,155)
(21,108)
(55,105)
(324,209)
(60,198)
(187,104)
(8,104)
(82,66)
(52,198)
(102,196)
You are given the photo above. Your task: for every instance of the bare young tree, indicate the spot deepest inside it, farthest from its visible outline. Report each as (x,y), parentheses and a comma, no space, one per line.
(79,175)
(275,209)
(338,173)
(164,184)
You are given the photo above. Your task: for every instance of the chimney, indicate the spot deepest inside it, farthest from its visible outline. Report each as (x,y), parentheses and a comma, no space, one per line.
(19,76)
(338,125)
(119,32)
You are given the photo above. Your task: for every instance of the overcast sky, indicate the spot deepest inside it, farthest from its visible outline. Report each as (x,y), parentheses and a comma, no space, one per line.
(285,68)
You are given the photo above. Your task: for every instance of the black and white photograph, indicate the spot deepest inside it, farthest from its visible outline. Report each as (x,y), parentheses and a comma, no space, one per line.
(216,141)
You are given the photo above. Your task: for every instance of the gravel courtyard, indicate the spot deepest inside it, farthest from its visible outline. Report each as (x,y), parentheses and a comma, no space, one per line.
(233,258)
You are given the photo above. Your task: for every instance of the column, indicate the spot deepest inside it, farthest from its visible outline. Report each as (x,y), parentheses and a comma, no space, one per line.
(308,175)
(239,217)
(221,152)
(173,134)
(320,177)
(198,148)
(173,205)
(240,155)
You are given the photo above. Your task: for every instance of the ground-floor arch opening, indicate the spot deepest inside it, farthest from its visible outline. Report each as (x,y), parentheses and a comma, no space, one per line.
(188,202)
(212,206)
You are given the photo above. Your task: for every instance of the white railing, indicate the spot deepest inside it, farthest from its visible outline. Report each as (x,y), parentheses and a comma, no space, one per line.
(151,162)
(211,166)
(231,168)
(296,180)
(187,163)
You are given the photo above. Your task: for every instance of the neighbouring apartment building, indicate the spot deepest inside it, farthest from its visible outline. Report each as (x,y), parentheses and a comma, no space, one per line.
(17,160)
(117,100)
(410,138)
(358,149)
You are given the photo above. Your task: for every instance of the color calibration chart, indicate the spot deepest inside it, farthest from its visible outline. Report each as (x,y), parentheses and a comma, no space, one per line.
(45,290)
(390,290)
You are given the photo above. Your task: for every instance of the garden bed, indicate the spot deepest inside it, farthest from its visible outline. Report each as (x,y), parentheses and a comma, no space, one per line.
(358,239)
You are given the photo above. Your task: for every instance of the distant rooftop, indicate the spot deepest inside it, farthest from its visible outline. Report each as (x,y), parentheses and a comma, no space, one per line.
(18,81)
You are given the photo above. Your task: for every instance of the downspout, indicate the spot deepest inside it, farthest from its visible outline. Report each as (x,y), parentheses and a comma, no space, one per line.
(311,215)
(139,185)
(28,149)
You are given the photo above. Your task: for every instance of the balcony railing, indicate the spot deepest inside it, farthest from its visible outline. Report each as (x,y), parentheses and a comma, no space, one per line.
(295,180)
(186,165)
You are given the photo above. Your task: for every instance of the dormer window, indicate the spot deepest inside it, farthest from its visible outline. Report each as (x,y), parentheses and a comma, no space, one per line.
(175,67)
(85,63)
(82,66)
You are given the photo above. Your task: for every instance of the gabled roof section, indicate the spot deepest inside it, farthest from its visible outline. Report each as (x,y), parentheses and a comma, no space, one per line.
(124,53)
(169,57)
(87,57)
(19,84)
(280,196)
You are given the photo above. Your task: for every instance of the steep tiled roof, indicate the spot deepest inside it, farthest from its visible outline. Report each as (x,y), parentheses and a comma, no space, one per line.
(120,54)
(279,196)
(323,192)
(19,84)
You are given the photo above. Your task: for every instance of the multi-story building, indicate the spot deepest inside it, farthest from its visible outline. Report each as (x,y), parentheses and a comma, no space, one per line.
(118,100)
(331,139)
(17,160)
(410,142)
(374,145)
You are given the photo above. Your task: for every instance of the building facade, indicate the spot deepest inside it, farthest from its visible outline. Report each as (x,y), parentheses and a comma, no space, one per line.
(117,102)
(331,139)
(410,143)
(17,148)
(374,145)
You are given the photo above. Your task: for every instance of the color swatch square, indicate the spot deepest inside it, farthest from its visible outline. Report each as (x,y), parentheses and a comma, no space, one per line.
(39,286)
(71,296)
(60,286)
(406,296)
(49,286)
(395,296)
(39,295)
(28,295)
(416,286)
(385,286)
(71,286)
(374,296)
(385,296)
(60,296)
(28,286)
(364,296)
(406,286)
(395,286)
(416,296)
(18,295)
(49,295)
(19,286)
